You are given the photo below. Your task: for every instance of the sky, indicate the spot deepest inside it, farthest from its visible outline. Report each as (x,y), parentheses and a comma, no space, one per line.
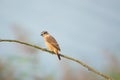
(83,28)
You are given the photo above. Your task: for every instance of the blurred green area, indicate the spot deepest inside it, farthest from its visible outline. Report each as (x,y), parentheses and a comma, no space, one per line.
(15,68)
(115,76)
(21,68)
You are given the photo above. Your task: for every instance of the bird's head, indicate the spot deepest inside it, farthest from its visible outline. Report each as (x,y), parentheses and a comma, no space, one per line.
(43,33)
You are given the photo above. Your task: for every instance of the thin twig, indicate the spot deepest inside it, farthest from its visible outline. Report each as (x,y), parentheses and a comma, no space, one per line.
(67,57)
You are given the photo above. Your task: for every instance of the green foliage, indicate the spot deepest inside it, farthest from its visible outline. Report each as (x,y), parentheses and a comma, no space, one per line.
(115,76)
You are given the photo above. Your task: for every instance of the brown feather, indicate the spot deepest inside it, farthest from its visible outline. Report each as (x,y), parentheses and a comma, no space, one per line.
(53,42)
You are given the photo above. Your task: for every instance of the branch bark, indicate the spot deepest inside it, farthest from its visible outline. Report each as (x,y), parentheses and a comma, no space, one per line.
(64,56)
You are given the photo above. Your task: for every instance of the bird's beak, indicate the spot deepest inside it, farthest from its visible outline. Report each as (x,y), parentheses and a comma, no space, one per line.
(41,34)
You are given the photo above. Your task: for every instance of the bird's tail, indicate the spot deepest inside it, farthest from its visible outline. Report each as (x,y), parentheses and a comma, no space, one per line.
(59,56)
(56,52)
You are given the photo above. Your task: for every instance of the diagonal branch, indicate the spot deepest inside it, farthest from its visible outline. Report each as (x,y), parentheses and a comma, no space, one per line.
(64,56)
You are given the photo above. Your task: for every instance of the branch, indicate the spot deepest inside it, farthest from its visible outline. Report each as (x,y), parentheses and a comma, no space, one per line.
(64,56)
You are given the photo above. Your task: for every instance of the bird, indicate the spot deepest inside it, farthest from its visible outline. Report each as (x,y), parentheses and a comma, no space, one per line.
(51,43)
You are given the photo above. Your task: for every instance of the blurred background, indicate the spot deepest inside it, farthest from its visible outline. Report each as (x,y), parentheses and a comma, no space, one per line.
(87,30)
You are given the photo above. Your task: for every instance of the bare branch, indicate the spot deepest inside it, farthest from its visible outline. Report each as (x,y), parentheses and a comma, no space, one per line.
(64,56)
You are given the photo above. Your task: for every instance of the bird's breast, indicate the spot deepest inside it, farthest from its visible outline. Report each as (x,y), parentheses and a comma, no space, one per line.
(49,46)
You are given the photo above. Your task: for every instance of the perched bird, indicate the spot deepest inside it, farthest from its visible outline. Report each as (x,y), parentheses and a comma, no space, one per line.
(51,43)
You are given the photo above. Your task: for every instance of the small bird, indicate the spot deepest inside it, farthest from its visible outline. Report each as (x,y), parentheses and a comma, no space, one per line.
(51,43)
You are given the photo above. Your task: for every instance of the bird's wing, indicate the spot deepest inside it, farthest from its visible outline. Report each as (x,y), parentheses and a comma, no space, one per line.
(53,42)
